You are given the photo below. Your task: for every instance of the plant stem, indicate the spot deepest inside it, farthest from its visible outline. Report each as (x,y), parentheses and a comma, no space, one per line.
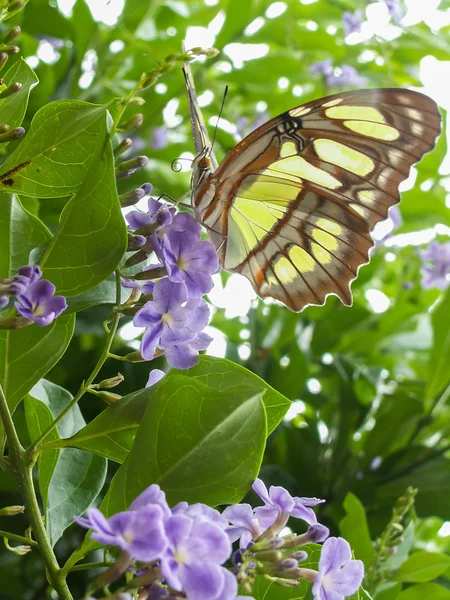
(17,538)
(23,474)
(33,450)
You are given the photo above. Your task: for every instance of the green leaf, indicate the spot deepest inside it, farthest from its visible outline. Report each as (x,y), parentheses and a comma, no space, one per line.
(433,480)
(92,236)
(440,355)
(27,354)
(112,433)
(422,566)
(102,293)
(199,445)
(431,591)
(12,108)
(69,479)
(55,155)
(223,375)
(354,529)
(20,233)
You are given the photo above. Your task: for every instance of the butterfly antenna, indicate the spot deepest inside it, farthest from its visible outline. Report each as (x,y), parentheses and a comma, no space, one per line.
(218,118)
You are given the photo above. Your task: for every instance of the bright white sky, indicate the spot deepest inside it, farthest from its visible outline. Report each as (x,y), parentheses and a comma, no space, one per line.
(434,74)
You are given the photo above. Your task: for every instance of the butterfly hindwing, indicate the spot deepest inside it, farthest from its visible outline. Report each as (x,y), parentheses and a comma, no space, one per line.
(293,204)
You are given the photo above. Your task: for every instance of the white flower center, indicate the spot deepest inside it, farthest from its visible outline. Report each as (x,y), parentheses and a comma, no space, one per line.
(166,318)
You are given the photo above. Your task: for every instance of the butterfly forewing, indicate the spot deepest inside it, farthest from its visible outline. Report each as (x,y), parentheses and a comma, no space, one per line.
(292,206)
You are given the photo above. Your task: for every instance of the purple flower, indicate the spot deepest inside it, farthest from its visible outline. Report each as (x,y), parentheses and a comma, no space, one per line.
(244,524)
(324,67)
(39,304)
(243,127)
(395,217)
(344,76)
(155,376)
(4,301)
(200,513)
(139,532)
(279,505)
(352,21)
(150,496)
(339,575)
(159,138)
(185,356)
(394,10)
(172,321)
(189,261)
(158,212)
(192,559)
(436,274)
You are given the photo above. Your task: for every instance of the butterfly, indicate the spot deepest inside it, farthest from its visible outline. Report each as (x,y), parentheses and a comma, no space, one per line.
(292,206)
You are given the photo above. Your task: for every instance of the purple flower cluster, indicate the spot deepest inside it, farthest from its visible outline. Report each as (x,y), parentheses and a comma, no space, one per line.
(436,273)
(35,296)
(187,550)
(175,316)
(342,76)
(352,21)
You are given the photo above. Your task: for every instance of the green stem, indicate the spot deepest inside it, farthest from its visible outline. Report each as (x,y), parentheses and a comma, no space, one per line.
(23,474)
(17,538)
(33,450)
(91,565)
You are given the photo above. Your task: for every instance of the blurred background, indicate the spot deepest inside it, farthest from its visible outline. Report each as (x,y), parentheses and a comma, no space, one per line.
(369,384)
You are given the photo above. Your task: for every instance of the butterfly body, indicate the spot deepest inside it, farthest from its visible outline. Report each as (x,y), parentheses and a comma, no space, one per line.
(292,206)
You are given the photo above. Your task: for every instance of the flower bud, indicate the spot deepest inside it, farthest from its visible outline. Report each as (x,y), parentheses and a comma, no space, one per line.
(13,134)
(15,6)
(112,381)
(156,273)
(12,34)
(132,165)
(108,397)
(132,197)
(133,122)
(3,58)
(124,145)
(4,300)
(12,50)
(299,555)
(11,89)
(19,550)
(270,543)
(134,357)
(150,78)
(135,242)
(269,556)
(288,583)
(147,187)
(316,533)
(137,101)
(11,511)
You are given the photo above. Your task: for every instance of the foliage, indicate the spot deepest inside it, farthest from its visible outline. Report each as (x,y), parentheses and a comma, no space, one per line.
(369,384)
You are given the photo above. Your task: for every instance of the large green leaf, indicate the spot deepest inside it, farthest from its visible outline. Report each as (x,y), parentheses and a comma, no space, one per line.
(55,155)
(69,479)
(20,233)
(431,591)
(354,529)
(440,355)
(112,433)
(12,108)
(91,238)
(199,445)
(27,354)
(422,566)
